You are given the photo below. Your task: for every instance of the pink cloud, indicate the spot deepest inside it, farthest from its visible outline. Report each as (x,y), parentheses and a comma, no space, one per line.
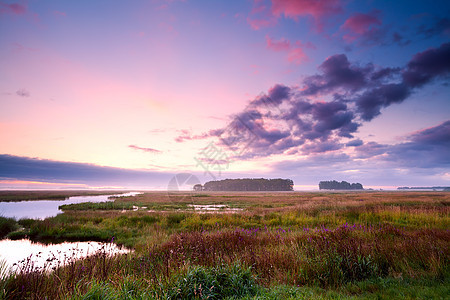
(295,52)
(257,24)
(297,56)
(255,69)
(14,8)
(316,8)
(261,15)
(280,45)
(59,13)
(361,25)
(145,149)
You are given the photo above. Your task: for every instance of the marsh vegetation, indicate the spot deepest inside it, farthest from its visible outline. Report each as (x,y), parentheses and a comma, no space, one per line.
(280,245)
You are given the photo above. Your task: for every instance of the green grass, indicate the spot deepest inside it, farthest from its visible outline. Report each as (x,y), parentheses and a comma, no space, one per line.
(120,205)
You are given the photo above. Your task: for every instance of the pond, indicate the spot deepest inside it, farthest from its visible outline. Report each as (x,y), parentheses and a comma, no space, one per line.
(26,255)
(41,209)
(213,208)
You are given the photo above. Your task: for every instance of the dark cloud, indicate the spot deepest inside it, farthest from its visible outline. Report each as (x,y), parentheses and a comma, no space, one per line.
(440,26)
(422,156)
(384,73)
(293,121)
(279,93)
(34,169)
(337,72)
(370,102)
(423,68)
(428,65)
(151,150)
(354,143)
(400,40)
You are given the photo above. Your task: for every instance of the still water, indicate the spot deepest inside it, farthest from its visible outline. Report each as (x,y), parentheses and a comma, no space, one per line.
(23,254)
(41,209)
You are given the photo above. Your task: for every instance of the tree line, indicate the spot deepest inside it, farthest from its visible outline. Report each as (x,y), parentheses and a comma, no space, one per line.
(247,184)
(336,185)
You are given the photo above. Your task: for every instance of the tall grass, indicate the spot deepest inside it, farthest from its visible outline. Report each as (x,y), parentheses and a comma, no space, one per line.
(192,263)
(346,247)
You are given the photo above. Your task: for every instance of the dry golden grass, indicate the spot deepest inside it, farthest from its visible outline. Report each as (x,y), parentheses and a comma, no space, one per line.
(281,201)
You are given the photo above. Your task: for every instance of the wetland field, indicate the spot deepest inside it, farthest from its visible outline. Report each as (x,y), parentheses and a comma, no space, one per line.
(242,245)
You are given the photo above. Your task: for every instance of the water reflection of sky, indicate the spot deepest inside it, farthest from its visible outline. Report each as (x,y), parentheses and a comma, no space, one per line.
(41,209)
(40,255)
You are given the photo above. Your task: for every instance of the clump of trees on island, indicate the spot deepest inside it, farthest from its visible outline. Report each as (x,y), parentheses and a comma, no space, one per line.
(247,184)
(336,185)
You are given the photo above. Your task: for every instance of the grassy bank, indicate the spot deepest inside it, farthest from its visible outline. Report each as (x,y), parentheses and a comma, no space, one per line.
(14,196)
(289,245)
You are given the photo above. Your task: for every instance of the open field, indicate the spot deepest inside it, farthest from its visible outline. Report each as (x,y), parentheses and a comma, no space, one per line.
(293,245)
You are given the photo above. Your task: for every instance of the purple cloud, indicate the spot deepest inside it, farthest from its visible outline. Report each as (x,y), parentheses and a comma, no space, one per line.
(293,121)
(371,101)
(426,148)
(23,93)
(354,143)
(438,135)
(35,169)
(371,149)
(428,65)
(337,72)
(423,68)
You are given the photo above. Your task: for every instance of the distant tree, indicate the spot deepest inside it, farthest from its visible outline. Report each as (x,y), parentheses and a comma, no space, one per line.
(250,184)
(336,185)
(198,188)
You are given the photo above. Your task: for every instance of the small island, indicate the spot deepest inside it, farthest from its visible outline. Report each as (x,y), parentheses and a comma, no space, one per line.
(336,185)
(247,184)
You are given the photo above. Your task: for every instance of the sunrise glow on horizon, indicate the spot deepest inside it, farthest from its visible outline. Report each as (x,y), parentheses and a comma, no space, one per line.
(126,95)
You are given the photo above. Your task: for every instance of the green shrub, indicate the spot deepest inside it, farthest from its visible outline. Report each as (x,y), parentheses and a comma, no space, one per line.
(26,222)
(17,235)
(7,225)
(214,283)
(175,219)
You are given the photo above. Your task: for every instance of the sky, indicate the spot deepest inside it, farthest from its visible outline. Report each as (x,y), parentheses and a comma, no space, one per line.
(128,94)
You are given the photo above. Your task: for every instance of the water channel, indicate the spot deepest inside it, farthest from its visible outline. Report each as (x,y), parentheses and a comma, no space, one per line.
(41,209)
